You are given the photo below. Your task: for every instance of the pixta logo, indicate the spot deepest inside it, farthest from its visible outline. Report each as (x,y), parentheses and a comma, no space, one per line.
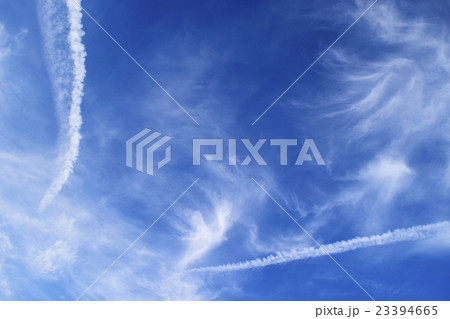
(141,148)
(308,148)
(146,144)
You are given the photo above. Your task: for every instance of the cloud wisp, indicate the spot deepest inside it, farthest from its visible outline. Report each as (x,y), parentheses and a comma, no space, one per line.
(390,237)
(63,31)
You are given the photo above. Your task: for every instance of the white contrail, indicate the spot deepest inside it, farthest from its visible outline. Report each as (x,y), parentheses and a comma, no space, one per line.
(63,31)
(398,235)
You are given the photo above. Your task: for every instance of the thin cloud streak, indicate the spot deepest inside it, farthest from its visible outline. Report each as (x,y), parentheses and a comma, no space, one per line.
(390,237)
(69,70)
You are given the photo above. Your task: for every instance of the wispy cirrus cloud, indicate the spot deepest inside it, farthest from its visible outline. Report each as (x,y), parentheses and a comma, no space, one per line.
(388,111)
(63,31)
(55,257)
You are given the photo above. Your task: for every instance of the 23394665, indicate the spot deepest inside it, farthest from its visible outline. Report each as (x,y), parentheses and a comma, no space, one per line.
(404,310)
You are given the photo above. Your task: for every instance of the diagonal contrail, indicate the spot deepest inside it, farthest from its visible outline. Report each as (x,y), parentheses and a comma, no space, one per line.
(66,54)
(390,237)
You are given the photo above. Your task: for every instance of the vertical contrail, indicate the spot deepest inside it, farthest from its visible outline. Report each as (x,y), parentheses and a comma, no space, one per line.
(63,31)
(398,235)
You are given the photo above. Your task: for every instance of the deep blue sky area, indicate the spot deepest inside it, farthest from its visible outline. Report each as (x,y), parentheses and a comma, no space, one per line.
(372,223)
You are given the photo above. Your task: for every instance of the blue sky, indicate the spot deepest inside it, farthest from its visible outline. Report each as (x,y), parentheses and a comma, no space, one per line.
(376,105)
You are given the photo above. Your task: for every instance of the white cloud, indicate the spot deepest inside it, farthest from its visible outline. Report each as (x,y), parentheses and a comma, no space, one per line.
(5,288)
(398,235)
(55,257)
(5,243)
(386,175)
(4,48)
(390,113)
(201,232)
(66,64)
(202,235)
